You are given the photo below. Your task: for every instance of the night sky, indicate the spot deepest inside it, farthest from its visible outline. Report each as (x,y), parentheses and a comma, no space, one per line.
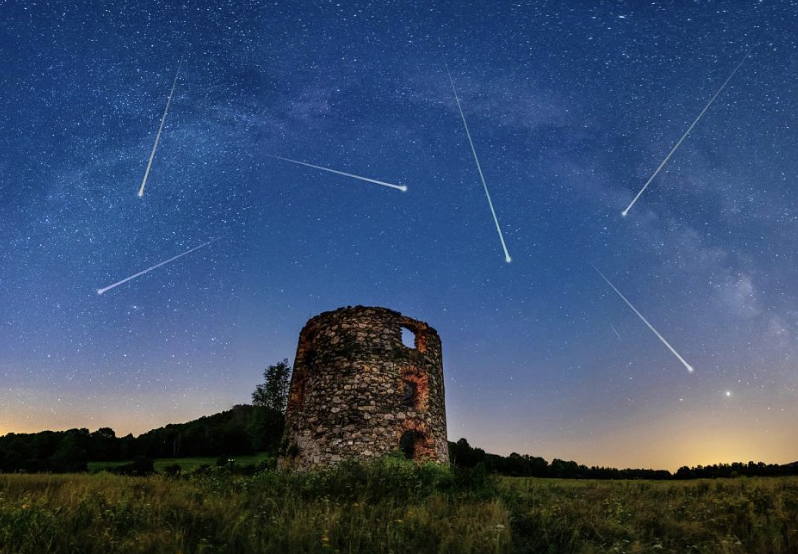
(571,106)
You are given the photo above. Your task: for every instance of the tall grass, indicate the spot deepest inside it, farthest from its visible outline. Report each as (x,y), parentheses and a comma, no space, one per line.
(391,506)
(388,506)
(745,516)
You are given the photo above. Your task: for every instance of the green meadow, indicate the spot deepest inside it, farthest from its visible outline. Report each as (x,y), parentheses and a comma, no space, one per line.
(391,506)
(186,464)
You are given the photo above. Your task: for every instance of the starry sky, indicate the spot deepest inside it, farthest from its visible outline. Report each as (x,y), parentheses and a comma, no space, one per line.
(571,106)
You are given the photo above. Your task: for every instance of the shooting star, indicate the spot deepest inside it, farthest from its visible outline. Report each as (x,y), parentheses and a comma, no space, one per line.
(156,266)
(403,188)
(158,136)
(687,132)
(665,342)
(507,257)
(617,334)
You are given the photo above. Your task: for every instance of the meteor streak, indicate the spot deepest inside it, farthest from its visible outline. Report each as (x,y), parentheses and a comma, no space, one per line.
(403,188)
(507,257)
(156,266)
(617,334)
(158,136)
(688,366)
(687,132)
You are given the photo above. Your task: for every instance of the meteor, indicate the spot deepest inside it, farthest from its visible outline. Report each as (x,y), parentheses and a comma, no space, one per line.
(158,136)
(617,334)
(687,132)
(156,266)
(507,257)
(688,366)
(403,188)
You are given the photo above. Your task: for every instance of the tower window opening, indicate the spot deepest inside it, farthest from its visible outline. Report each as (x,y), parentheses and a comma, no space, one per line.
(409,393)
(408,442)
(408,337)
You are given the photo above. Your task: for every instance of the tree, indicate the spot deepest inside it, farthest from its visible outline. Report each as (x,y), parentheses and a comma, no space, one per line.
(462,454)
(70,456)
(273,393)
(103,445)
(270,400)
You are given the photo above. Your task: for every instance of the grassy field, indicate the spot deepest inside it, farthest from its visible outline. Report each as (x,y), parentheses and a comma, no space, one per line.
(745,516)
(392,506)
(186,464)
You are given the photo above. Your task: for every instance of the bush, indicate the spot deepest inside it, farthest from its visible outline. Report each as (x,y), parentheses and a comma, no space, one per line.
(473,479)
(202,469)
(390,476)
(139,466)
(172,470)
(268,464)
(224,461)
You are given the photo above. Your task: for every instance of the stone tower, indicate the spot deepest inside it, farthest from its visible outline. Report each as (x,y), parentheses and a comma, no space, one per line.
(358,391)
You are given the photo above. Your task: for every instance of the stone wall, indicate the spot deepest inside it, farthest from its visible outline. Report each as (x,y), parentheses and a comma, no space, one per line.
(358,391)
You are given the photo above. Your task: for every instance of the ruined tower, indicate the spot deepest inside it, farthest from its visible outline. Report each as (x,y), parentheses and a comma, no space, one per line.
(358,391)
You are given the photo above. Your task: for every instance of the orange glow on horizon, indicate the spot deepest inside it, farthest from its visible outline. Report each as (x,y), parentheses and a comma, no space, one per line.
(669,442)
(656,438)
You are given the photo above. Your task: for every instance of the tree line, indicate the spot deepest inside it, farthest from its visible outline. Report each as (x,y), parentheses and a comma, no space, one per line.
(247,429)
(462,454)
(235,432)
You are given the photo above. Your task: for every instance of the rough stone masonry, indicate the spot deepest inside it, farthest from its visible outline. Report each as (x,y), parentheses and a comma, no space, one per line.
(358,391)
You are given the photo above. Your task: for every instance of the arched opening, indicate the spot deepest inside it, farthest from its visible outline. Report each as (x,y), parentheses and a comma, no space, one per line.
(412,389)
(409,443)
(410,394)
(408,338)
(414,334)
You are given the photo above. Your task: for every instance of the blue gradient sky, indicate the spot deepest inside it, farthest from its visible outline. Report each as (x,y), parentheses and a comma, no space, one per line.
(572,105)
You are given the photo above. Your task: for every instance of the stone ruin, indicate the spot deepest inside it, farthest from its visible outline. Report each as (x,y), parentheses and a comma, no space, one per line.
(358,391)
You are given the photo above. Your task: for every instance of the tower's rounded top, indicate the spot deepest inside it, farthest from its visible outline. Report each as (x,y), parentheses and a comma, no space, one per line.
(354,312)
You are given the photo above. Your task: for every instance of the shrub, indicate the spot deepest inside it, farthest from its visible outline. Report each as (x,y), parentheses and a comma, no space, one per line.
(139,466)
(473,479)
(224,461)
(390,476)
(269,463)
(172,470)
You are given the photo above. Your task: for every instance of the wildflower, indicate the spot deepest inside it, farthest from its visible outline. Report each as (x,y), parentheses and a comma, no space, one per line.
(25,506)
(499,527)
